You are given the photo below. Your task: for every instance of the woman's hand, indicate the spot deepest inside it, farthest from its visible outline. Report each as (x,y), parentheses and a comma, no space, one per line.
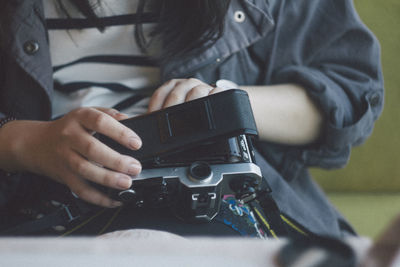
(178,91)
(66,151)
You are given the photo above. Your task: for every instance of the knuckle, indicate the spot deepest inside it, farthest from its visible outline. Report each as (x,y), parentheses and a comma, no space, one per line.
(66,133)
(197,92)
(124,134)
(179,82)
(136,170)
(108,180)
(119,164)
(199,89)
(80,167)
(194,80)
(90,148)
(99,120)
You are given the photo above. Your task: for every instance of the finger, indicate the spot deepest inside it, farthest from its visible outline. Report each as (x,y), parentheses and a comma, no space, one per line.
(158,97)
(113,113)
(97,174)
(178,94)
(201,90)
(95,120)
(217,90)
(94,150)
(110,111)
(91,195)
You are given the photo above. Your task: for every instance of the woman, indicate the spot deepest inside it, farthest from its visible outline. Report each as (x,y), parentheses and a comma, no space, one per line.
(311,70)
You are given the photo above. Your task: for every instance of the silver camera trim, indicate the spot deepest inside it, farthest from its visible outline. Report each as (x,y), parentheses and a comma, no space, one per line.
(218,174)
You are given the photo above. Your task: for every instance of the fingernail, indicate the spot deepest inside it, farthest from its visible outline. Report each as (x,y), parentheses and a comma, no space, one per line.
(124,182)
(134,169)
(135,143)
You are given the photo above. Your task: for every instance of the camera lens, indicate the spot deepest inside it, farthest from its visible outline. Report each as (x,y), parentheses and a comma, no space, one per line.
(200,170)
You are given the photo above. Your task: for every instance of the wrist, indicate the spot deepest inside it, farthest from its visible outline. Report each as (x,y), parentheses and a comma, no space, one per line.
(11,137)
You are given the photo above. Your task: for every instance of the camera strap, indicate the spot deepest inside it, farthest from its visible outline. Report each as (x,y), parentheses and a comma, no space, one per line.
(65,215)
(268,215)
(263,206)
(267,211)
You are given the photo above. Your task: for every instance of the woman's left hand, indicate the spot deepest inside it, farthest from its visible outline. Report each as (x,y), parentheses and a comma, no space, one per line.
(177,91)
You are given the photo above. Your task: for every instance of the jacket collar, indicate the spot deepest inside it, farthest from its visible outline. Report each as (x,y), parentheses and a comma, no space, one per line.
(28,25)
(257,22)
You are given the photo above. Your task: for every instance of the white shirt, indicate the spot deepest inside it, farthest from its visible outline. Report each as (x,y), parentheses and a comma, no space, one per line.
(67,46)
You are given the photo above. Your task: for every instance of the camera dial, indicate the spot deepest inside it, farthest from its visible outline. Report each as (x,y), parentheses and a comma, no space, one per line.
(200,171)
(127,195)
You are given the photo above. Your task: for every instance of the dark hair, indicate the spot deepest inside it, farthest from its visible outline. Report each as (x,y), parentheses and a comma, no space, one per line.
(184,26)
(187,26)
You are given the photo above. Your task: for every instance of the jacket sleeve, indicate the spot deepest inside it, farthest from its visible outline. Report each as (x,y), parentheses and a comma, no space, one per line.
(337,59)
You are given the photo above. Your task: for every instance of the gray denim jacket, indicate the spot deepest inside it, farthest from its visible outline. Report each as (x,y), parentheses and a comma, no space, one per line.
(321,45)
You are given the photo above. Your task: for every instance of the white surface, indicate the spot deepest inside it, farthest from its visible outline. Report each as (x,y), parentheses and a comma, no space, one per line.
(145,248)
(67,46)
(137,248)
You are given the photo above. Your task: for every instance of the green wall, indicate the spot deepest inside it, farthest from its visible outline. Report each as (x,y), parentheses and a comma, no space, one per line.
(375,165)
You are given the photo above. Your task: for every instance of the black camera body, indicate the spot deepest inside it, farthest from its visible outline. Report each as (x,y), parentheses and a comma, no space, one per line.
(192,155)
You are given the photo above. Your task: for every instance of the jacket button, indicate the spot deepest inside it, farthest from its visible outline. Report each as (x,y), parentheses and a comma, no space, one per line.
(31,47)
(375,99)
(239,16)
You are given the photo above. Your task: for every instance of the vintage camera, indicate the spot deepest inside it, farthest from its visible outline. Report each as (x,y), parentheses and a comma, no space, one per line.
(192,155)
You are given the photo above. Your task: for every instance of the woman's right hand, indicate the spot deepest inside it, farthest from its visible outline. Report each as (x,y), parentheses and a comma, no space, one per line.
(66,151)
